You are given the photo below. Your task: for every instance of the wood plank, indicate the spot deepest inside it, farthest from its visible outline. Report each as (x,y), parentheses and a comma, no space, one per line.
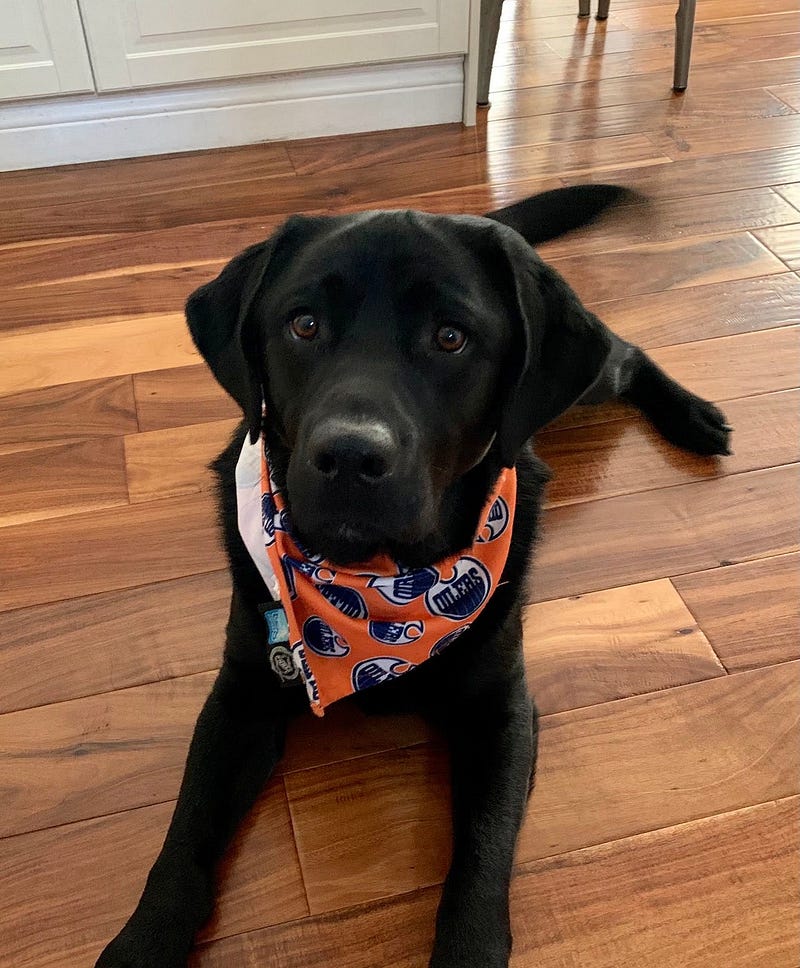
(609,645)
(688,752)
(180,396)
(697,176)
(711,11)
(67,413)
(747,135)
(99,754)
(112,640)
(659,534)
(720,309)
(589,95)
(676,218)
(138,294)
(791,193)
(668,265)
(545,71)
(169,463)
(567,910)
(625,456)
(108,180)
(597,44)
(788,93)
(635,118)
(750,612)
(784,242)
(91,352)
(114,549)
(77,915)
(735,366)
(60,480)
(378,147)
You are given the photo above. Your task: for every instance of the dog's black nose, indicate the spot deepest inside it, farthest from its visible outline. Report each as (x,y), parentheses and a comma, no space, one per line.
(363,451)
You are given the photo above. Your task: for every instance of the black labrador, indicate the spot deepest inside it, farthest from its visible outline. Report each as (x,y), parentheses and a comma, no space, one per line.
(435,346)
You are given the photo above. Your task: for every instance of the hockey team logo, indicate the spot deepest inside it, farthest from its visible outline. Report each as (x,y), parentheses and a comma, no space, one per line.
(463,593)
(372,672)
(448,639)
(347,600)
(268,518)
(396,633)
(299,655)
(294,566)
(322,639)
(404,588)
(496,521)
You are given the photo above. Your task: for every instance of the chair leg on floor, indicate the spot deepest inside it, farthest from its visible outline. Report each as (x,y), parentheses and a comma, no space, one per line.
(602,9)
(684,28)
(583,8)
(490,26)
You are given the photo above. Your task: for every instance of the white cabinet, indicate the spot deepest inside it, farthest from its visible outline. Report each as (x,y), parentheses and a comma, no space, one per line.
(42,49)
(138,43)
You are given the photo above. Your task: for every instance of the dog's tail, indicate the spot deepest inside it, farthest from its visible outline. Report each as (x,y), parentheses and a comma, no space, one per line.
(550,214)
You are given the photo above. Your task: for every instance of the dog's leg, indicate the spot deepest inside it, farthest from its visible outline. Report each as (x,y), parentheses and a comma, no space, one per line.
(492,744)
(679,415)
(236,744)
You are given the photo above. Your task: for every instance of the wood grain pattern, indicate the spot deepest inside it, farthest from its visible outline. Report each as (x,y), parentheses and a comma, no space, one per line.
(750,612)
(718,309)
(76,914)
(112,640)
(67,413)
(169,463)
(691,751)
(714,79)
(784,241)
(61,480)
(90,352)
(710,12)
(750,135)
(789,94)
(571,904)
(68,761)
(609,645)
(626,455)
(665,533)
(791,193)
(669,219)
(668,265)
(180,396)
(119,548)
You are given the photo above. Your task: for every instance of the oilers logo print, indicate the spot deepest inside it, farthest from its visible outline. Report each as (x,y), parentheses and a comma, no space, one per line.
(496,521)
(406,586)
(322,639)
(347,600)
(396,633)
(463,593)
(446,640)
(372,672)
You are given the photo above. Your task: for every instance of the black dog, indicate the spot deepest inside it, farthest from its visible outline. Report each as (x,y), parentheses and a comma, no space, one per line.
(404,359)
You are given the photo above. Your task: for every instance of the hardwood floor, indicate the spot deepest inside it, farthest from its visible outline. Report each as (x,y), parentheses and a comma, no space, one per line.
(663,630)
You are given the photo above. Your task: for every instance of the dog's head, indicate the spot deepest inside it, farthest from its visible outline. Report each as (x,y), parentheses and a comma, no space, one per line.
(395,352)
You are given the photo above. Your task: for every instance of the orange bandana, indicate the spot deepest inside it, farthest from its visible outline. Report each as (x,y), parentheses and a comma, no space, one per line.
(346,629)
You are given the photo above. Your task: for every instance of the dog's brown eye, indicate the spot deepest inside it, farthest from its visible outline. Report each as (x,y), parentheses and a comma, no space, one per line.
(304,326)
(450,339)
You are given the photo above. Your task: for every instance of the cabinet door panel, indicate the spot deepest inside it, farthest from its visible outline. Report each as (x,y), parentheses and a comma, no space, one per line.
(136,43)
(42,49)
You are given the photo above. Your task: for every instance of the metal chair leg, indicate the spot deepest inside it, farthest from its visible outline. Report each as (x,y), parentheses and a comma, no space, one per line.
(490,27)
(583,8)
(684,28)
(602,9)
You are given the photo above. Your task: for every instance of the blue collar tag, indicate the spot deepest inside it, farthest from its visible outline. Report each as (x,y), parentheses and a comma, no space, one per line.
(281,659)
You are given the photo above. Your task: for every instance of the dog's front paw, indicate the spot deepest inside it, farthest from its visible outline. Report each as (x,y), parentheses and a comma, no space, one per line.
(699,426)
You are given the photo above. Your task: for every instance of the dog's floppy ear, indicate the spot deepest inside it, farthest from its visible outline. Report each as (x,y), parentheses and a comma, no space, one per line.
(562,349)
(217,313)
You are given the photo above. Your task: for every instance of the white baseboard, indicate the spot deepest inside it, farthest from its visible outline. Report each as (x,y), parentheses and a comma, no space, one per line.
(67,130)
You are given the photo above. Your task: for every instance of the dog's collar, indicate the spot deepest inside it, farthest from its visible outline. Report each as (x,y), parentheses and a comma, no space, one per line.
(340,630)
